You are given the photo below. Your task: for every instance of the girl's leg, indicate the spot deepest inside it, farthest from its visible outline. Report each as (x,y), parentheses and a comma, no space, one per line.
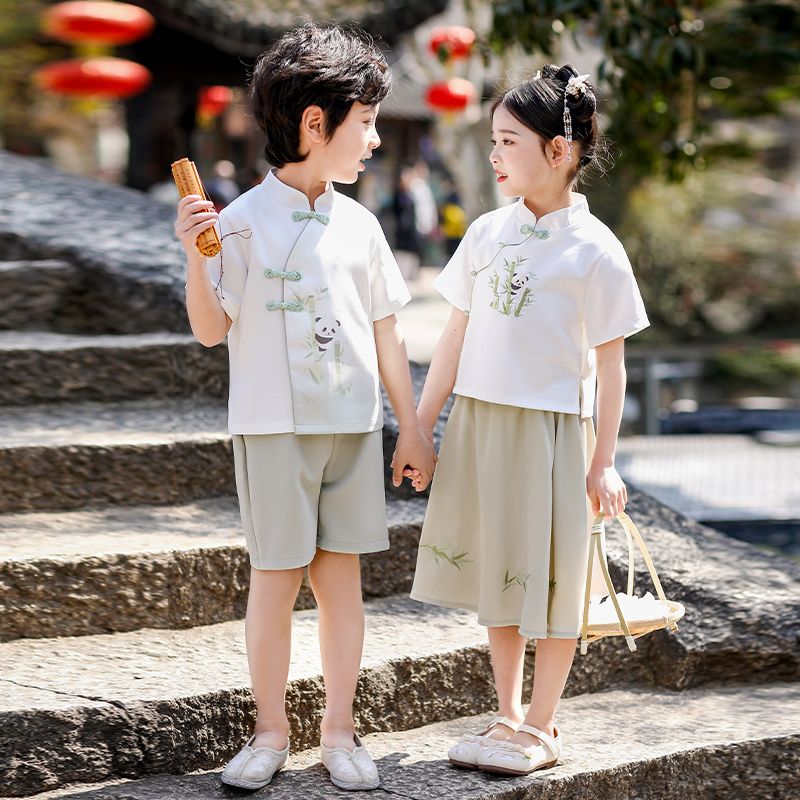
(336,582)
(508,658)
(551,669)
(268,632)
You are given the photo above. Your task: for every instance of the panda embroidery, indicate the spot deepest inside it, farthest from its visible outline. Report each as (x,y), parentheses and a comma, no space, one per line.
(512,291)
(325,331)
(519,281)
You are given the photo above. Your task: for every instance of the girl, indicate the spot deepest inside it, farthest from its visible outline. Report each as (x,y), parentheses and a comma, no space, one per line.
(543,298)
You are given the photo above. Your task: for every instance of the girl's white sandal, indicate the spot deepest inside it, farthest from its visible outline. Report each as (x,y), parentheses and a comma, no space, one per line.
(510,758)
(253,767)
(352,770)
(464,753)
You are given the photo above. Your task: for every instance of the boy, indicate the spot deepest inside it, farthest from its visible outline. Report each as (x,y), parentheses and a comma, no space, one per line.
(306,289)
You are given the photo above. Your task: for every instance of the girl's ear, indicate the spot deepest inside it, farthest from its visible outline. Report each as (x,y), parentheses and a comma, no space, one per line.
(312,124)
(558,151)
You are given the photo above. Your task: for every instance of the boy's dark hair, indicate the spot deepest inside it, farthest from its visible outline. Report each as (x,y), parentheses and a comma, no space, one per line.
(330,67)
(539,105)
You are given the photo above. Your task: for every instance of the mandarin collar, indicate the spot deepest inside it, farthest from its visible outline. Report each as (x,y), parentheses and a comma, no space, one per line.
(558,219)
(293,199)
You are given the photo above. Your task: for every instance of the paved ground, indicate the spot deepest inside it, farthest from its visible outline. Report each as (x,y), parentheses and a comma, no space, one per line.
(715,477)
(705,477)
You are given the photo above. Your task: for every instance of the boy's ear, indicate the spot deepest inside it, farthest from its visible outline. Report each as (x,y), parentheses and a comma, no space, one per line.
(312,124)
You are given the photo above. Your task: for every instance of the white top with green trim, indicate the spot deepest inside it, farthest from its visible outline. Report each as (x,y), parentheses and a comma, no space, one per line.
(303,292)
(541,294)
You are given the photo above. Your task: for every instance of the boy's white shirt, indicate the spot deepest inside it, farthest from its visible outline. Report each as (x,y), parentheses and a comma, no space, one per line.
(313,370)
(539,306)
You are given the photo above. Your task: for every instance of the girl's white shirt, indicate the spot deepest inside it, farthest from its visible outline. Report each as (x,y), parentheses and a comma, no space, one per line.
(303,295)
(541,295)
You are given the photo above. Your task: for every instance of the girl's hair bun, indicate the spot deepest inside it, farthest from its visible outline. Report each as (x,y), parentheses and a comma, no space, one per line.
(582,107)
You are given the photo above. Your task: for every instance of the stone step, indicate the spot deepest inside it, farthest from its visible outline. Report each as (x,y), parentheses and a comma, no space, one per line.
(93,707)
(715,743)
(115,705)
(46,367)
(121,569)
(79,455)
(23,309)
(131,266)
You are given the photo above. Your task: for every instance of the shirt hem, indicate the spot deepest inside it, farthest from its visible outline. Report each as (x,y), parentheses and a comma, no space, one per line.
(348,427)
(555,408)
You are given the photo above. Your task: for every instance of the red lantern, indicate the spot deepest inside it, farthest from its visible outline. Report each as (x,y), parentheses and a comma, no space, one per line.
(100,22)
(452,43)
(452,95)
(213,101)
(109,78)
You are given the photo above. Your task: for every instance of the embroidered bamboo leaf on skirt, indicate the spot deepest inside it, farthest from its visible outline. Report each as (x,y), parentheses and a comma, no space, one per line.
(520,579)
(441,554)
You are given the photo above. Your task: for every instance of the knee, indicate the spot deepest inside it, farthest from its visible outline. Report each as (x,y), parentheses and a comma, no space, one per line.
(335,571)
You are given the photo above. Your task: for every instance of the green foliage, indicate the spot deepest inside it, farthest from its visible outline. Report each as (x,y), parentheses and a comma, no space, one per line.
(766,368)
(670,68)
(711,257)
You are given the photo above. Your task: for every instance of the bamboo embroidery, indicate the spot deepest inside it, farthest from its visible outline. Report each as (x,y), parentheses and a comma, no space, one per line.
(520,579)
(529,232)
(323,347)
(510,288)
(441,554)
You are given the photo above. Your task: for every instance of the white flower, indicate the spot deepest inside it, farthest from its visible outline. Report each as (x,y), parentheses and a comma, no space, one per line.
(576,85)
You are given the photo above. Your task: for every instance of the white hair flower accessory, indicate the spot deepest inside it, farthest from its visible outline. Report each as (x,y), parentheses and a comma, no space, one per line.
(576,85)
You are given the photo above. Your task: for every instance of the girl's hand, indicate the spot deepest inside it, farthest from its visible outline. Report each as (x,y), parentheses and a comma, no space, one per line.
(195,215)
(415,451)
(606,491)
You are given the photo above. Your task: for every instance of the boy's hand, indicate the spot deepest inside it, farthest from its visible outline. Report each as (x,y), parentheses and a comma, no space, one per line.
(417,480)
(414,452)
(195,215)
(606,491)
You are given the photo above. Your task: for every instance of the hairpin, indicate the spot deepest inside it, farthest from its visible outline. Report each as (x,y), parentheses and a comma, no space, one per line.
(576,86)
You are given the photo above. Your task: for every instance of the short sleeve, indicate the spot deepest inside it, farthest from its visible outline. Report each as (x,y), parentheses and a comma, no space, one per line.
(232,264)
(454,282)
(613,304)
(387,289)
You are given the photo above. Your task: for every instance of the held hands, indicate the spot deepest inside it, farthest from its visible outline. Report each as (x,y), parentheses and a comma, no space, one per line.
(606,491)
(195,215)
(414,458)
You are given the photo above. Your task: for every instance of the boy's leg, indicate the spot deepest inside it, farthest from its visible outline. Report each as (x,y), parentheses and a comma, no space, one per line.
(336,582)
(268,632)
(508,658)
(551,670)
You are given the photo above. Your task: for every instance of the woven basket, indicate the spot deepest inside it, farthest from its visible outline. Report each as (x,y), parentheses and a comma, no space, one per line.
(592,631)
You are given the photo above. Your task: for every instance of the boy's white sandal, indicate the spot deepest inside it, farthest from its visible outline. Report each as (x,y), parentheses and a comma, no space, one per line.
(464,753)
(353,770)
(510,758)
(253,767)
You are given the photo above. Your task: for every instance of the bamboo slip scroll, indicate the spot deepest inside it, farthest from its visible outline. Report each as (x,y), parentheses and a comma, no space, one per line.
(187,179)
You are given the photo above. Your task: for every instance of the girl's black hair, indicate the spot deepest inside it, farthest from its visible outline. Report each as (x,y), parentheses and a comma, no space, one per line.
(538,104)
(330,67)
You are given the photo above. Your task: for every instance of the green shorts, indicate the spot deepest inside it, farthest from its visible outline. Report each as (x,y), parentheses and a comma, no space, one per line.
(301,492)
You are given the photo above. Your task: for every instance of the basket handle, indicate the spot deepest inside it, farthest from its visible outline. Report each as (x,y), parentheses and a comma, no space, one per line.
(595,544)
(632,531)
(632,535)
